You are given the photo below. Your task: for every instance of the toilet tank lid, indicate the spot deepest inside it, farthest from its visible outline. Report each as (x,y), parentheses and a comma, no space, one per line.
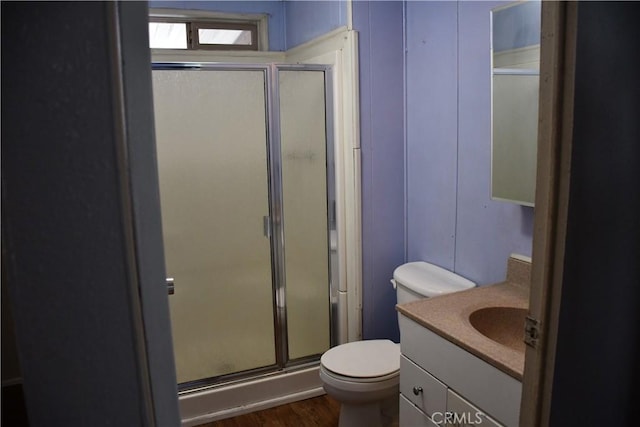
(429,280)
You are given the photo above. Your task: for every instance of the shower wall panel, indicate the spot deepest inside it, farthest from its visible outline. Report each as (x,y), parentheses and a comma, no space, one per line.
(303,142)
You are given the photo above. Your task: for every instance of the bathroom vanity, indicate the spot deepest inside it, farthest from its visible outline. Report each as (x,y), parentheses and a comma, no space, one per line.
(463,355)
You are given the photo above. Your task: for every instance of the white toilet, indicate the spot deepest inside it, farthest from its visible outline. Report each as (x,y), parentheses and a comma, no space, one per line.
(364,375)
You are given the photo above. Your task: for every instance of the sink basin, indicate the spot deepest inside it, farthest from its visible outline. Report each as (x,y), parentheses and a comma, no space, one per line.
(504,325)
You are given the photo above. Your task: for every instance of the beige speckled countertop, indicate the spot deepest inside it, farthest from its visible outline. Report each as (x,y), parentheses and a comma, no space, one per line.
(448,316)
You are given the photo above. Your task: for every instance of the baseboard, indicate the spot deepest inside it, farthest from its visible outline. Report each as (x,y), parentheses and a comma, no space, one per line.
(258,406)
(238,399)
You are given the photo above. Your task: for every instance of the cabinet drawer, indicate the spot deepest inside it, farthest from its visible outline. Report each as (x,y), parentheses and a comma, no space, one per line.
(465,413)
(410,416)
(421,388)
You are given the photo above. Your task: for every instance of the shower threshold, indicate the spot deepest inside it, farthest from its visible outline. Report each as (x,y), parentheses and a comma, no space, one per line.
(241,397)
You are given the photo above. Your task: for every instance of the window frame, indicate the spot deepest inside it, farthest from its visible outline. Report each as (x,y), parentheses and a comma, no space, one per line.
(193,38)
(197,19)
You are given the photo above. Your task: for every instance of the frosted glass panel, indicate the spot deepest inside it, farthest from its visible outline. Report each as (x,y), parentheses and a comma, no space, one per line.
(304,186)
(212,157)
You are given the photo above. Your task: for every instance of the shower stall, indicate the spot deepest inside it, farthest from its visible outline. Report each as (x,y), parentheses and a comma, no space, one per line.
(247,186)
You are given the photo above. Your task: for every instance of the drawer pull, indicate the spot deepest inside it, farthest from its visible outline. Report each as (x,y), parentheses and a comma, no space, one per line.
(417,390)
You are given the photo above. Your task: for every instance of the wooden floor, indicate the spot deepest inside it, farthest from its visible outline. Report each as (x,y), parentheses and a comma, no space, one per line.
(320,411)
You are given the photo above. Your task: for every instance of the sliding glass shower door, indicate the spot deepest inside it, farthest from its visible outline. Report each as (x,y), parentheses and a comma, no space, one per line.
(212,158)
(242,158)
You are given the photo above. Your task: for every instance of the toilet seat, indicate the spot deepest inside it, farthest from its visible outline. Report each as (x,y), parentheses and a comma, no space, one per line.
(357,386)
(348,379)
(363,361)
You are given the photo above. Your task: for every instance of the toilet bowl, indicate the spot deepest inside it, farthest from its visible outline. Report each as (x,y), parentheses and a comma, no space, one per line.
(364,376)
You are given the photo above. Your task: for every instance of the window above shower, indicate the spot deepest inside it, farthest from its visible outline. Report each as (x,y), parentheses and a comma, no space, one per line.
(201,30)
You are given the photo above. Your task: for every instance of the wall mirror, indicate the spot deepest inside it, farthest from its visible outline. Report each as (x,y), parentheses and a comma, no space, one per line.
(515,65)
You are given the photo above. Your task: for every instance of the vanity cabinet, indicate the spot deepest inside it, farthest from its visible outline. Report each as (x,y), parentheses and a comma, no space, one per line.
(427,402)
(411,416)
(421,388)
(468,413)
(443,384)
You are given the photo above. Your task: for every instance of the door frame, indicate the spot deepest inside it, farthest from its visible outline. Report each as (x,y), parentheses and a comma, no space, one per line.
(557,69)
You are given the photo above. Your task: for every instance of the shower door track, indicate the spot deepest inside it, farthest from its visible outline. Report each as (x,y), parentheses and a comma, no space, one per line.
(283,364)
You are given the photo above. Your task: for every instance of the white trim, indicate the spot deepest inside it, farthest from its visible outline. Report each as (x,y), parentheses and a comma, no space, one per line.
(232,400)
(231,56)
(327,43)
(524,57)
(522,258)
(259,406)
(192,14)
(519,202)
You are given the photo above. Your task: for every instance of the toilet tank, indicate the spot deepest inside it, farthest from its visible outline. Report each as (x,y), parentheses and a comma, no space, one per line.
(418,280)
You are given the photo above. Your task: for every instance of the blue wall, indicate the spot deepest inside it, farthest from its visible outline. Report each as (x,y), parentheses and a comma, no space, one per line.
(445,214)
(451,219)
(382,142)
(432,131)
(291,22)
(306,20)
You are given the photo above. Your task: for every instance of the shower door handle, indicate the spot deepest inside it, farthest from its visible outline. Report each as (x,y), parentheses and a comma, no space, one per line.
(170,286)
(266,226)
